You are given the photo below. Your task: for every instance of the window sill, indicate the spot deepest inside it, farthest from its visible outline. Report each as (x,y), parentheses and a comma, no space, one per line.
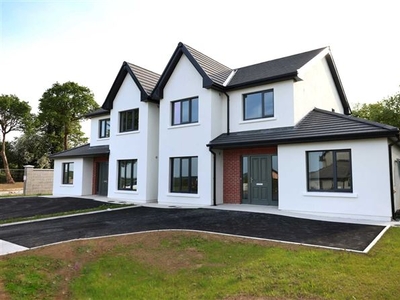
(103,139)
(183,195)
(126,192)
(128,132)
(330,194)
(183,125)
(66,185)
(258,120)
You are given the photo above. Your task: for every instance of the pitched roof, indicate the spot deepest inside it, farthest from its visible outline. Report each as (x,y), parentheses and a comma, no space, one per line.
(285,67)
(83,151)
(97,112)
(144,79)
(214,73)
(318,125)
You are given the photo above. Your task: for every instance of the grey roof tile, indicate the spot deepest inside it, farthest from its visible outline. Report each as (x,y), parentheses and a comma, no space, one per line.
(83,151)
(147,78)
(272,69)
(217,72)
(317,125)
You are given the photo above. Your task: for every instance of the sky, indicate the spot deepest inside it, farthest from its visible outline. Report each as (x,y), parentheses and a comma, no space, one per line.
(43,42)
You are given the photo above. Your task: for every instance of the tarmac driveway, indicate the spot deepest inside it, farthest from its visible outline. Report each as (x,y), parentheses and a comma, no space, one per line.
(138,219)
(21,207)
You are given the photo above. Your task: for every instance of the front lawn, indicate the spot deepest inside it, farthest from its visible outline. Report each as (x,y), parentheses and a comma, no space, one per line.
(184,265)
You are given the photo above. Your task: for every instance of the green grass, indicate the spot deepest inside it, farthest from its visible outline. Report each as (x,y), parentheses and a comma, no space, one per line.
(66,213)
(200,266)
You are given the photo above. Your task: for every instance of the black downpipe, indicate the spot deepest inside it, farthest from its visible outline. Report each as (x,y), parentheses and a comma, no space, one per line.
(391,177)
(214,196)
(227,113)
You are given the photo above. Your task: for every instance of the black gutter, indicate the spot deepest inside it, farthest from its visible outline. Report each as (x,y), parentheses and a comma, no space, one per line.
(227,113)
(391,176)
(214,196)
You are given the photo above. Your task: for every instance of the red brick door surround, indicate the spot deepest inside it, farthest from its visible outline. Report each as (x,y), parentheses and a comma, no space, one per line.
(232,171)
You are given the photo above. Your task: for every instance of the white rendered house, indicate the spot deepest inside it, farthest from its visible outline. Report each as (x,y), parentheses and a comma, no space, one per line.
(276,133)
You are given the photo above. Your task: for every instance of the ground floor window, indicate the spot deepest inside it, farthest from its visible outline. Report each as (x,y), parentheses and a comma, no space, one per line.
(329,171)
(184,174)
(127,174)
(68,173)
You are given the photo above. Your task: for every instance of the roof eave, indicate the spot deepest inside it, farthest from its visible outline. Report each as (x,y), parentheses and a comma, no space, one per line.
(328,138)
(289,76)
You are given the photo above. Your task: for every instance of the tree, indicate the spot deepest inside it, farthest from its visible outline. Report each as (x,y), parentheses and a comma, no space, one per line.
(60,109)
(14,115)
(386,111)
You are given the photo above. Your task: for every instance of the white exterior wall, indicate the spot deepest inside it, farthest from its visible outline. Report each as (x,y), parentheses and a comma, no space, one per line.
(132,145)
(371,189)
(94,131)
(189,139)
(283,107)
(83,172)
(396,176)
(317,89)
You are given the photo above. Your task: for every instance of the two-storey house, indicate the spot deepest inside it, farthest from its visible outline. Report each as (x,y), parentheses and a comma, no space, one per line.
(276,133)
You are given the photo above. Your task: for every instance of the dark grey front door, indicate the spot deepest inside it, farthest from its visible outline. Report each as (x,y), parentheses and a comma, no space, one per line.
(102,178)
(260,180)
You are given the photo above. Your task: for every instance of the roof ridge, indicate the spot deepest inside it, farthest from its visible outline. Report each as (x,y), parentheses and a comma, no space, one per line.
(356,119)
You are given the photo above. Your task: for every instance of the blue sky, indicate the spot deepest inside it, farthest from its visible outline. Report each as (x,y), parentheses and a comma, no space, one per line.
(42,42)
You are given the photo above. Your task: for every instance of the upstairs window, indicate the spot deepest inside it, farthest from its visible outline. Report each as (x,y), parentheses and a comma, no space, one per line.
(129,120)
(329,171)
(104,128)
(68,173)
(185,111)
(258,105)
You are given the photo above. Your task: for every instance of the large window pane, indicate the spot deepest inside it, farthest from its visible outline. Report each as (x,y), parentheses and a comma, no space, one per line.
(184,174)
(127,175)
(245,177)
(253,106)
(185,111)
(195,110)
(176,112)
(329,171)
(268,104)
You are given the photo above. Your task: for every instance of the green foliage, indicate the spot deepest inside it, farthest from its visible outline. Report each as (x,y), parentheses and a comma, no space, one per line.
(15,115)
(386,111)
(30,149)
(60,109)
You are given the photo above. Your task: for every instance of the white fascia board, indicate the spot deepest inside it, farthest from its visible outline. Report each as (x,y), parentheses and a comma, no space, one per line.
(309,64)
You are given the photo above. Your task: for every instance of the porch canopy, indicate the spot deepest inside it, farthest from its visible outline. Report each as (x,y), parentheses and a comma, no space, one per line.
(317,126)
(83,151)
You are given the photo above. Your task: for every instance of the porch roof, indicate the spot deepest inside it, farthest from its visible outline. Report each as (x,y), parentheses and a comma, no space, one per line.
(317,126)
(83,151)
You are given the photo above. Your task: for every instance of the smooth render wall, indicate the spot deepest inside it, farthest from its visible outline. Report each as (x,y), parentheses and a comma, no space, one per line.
(370,198)
(83,172)
(186,140)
